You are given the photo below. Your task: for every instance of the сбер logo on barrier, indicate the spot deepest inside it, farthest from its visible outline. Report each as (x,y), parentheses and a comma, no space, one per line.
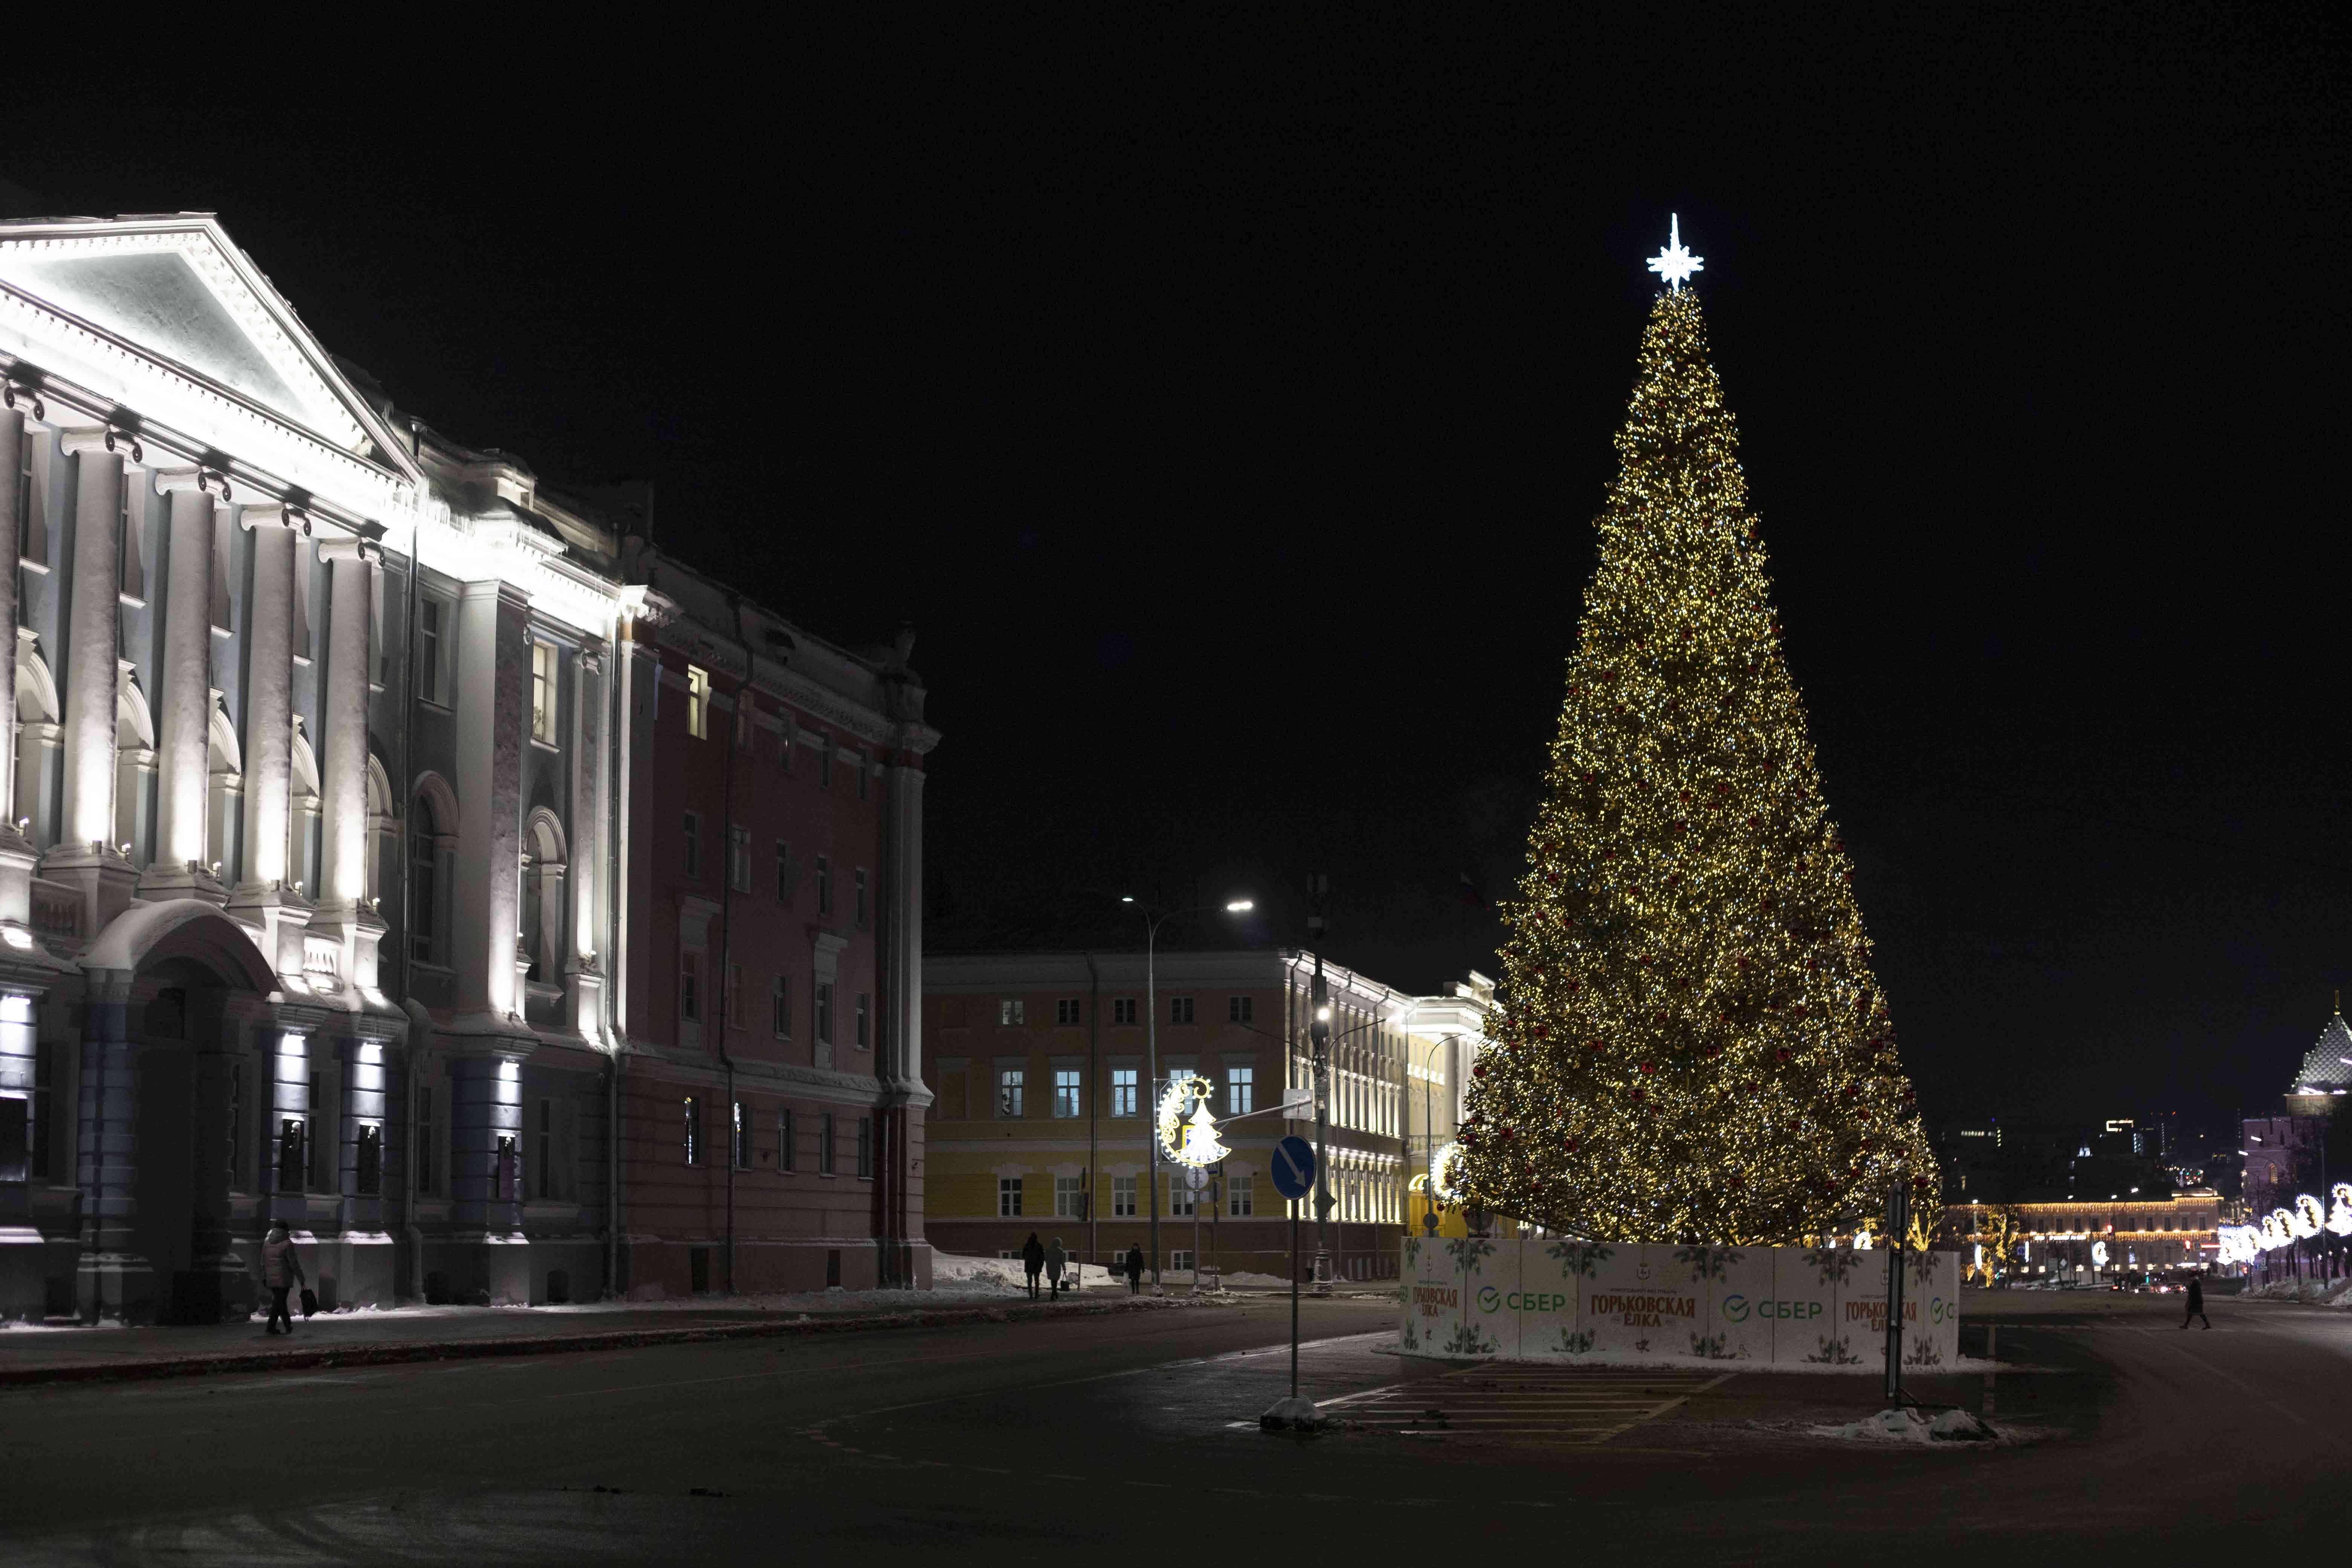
(1489,1299)
(1737,1308)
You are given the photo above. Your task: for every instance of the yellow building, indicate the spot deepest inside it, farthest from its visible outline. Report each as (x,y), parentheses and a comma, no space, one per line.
(1045,1070)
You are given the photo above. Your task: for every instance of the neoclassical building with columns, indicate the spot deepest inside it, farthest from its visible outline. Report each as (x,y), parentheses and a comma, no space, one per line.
(339,750)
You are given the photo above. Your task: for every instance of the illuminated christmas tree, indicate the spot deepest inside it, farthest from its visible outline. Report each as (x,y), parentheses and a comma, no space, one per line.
(1689,1045)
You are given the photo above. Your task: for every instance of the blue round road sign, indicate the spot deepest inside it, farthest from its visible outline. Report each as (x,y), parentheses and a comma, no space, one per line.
(1294,1167)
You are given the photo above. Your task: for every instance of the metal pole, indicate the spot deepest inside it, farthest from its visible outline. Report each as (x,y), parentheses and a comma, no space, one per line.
(1150,1110)
(1294,1300)
(1898,1219)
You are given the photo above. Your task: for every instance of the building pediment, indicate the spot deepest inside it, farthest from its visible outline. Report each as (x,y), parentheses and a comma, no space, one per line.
(172,320)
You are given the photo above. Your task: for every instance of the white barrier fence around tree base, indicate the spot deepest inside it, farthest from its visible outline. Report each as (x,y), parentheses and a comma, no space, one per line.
(1562,1300)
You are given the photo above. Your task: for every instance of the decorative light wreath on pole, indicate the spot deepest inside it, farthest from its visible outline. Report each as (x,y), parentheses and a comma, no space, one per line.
(1187,1133)
(2283,1227)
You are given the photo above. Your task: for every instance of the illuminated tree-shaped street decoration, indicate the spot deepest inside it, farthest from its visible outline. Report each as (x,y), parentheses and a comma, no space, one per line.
(1689,1043)
(1187,1133)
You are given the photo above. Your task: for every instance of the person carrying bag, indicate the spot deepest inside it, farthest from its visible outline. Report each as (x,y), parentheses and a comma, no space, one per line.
(282,1268)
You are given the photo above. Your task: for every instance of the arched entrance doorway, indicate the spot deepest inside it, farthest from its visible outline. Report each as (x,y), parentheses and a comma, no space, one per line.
(180,1049)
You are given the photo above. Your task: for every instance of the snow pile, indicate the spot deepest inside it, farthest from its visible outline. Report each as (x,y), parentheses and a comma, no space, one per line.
(950,1270)
(1910,1426)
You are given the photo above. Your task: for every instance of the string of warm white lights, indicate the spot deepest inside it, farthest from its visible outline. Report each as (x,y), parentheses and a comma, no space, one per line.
(1689,1043)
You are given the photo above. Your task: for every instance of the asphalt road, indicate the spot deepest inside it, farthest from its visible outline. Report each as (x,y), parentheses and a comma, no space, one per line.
(1001,1442)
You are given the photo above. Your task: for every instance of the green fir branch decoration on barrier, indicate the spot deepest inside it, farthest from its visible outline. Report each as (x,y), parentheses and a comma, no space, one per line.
(1575,1342)
(1835,1267)
(1709,1347)
(1922,1352)
(1580,1259)
(1706,1262)
(1922,1269)
(1411,1334)
(1835,1353)
(1412,1251)
(1466,1250)
(1466,1340)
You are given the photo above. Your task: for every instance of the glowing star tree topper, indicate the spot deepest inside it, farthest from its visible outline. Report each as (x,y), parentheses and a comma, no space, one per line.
(1674,264)
(1187,1133)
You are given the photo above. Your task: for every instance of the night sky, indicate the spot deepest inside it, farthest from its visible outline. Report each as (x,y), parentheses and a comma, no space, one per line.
(1233,440)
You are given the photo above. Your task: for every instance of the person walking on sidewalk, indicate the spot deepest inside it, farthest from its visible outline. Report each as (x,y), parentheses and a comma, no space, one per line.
(2196,1303)
(1054,1260)
(1135,1270)
(1033,1258)
(281,1270)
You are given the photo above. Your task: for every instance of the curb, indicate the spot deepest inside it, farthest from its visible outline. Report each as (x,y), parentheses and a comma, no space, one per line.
(394,1353)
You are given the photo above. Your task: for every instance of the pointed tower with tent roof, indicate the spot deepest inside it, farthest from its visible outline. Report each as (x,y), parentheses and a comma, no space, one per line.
(2327,1068)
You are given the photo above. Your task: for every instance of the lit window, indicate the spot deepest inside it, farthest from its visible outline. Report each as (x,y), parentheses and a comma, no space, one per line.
(1067,1093)
(1122,1091)
(693,1131)
(1008,1011)
(697,702)
(1010,1091)
(743,1139)
(1241,1090)
(542,692)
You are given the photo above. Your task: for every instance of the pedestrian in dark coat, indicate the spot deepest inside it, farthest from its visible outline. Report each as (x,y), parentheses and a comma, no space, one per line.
(2196,1303)
(1055,1259)
(1134,1270)
(281,1270)
(1033,1258)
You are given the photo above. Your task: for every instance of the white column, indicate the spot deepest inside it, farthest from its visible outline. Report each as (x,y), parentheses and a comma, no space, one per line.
(16,855)
(262,898)
(493,679)
(85,855)
(183,705)
(583,965)
(342,762)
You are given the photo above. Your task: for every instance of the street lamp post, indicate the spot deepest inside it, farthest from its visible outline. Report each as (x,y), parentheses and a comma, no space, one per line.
(1429,1132)
(1151,924)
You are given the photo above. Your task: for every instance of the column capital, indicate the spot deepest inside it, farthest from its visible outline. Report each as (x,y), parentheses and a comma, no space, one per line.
(104,439)
(24,400)
(349,548)
(195,477)
(274,514)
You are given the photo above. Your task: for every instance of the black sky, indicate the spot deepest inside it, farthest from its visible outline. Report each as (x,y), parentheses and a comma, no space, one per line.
(1232,432)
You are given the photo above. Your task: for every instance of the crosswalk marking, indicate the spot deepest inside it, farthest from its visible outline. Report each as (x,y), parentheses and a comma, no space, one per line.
(1579,1404)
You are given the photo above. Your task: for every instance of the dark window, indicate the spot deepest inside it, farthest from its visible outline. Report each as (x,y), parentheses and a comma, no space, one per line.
(864,1021)
(1179,1009)
(44,1072)
(1238,1009)
(780,1001)
(825,1145)
(861,897)
(424,847)
(783,872)
(823,886)
(428,649)
(1122,1010)
(542,1185)
(693,844)
(863,770)
(368,1177)
(15,1137)
(291,1160)
(823,762)
(166,1017)
(508,1172)
(866,1148)
(427,1181)
(788,1131)
(1066,1011)
(689,987)
(825,1012)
